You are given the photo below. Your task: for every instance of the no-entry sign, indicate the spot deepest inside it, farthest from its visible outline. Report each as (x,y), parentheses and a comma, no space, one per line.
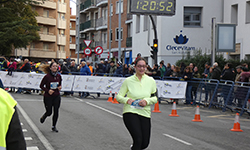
(87,51)
(98,50)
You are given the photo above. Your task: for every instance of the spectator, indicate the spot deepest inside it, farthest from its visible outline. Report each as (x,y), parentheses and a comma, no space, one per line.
(85,71)
(187,76)
(182,68)
(90,66)
(155,71)
(245,65)
(64,69)
(216,72)
(118,71)
(26,66)
(99,69)
(206,70)
(162,68)
(112,68)
(73,68)
(125,69)
(237,77)
(138,56)
(107,65)
(3,64)
(131,70)
(176,72)
(12,66)
(196,73)
(228,72)
(191,65)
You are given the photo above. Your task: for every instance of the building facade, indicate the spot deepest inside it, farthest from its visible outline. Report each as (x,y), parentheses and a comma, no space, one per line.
(187,31)
(54,20)
(72,38)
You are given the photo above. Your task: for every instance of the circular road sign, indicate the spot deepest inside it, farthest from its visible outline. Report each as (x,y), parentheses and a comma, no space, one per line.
(98,50)
(87,51)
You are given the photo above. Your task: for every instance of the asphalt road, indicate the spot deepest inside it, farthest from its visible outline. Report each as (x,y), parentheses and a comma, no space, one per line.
(95,124)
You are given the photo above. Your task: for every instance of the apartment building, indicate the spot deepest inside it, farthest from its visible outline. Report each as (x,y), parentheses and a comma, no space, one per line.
(72,38)
(54,20)
(93,25)
(126,30)
(94,18)
(238,12)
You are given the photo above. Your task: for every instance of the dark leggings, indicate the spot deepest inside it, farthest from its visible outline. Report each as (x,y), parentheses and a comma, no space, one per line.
(50,102)
(139,128)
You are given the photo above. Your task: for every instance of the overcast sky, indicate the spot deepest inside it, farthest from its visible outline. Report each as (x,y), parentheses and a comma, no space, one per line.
(73,6)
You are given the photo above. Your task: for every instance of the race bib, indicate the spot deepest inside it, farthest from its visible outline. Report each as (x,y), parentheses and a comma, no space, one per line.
(136,105)
(53,85)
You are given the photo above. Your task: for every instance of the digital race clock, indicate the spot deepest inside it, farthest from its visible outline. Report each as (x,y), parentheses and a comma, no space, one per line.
(158,7)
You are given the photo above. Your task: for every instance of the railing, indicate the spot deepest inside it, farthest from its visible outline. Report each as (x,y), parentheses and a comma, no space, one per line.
(89,3)
(99,1)
(87,24)
(101,22)
(129,42)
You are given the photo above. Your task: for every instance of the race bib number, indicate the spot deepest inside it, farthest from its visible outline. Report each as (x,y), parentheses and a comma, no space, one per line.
(53,85)
(136,105)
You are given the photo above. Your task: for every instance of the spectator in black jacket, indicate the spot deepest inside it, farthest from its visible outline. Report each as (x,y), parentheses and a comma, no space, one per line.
(118,71)
(64,68)
(187,76)
(216,73)
(26,67)
(228,73)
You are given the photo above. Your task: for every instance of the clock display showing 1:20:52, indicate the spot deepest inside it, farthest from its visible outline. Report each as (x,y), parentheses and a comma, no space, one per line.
(162,7)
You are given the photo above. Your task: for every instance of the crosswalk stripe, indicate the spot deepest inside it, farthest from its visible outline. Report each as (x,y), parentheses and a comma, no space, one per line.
(28,138)
(24,130)
(32,148)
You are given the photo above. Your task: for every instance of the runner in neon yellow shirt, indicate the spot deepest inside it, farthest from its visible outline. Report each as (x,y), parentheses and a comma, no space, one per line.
(141,93)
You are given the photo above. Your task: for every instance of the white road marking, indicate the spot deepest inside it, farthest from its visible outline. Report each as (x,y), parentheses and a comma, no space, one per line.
(28,138)
(24,130)
(172,137)
(32,148)
(100,108)
(39,134)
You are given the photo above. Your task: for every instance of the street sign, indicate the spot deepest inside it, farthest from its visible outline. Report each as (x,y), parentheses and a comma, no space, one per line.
(98,50)
(87,51)
(87,42)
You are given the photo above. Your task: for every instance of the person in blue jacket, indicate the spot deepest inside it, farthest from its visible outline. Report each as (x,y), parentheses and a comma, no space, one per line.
(86,72)
(119,69)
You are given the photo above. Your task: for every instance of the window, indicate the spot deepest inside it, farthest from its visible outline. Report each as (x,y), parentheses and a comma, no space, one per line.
(117,33)
(59,15)
(46,13)
(63,16)
(105,37)
(70,25)
(104,13)
(62,32)
(111,35)
(32,45)
(192,16)
(87,18)
(45,46)
(248,12)
(111,9)
(129,30)
(62,48)
(117,7)
(70,39)
(146,23)
(137,30)
(45,30)
(234,14)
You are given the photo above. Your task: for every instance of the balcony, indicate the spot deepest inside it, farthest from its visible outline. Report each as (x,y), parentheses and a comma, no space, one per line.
(44,53)
(47,4)
(129,18)
(72,32)
(61,54)
(101,24)
(61,23)
(129,42)
(100,3)
(61,40)
(62,7)
(88,5)
(87,26)
(72,46)
(47,37)
(45,20)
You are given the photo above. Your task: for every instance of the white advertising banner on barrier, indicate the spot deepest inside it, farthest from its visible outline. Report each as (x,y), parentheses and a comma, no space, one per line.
(97,84)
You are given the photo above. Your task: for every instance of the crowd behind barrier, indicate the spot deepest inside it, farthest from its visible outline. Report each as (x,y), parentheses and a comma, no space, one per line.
(225,89)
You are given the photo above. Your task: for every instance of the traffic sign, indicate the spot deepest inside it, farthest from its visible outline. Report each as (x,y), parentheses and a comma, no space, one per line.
(98,50)
(87,51)
(87,42)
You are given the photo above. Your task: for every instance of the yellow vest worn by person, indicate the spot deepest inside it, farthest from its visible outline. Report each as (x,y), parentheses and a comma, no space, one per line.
(7,104)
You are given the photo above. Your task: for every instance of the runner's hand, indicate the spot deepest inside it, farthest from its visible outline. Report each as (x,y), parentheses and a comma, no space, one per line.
(130,101)
(143,103)
(51,92)
(59,88)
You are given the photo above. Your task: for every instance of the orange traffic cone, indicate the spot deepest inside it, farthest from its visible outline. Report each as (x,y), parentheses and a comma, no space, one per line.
(197,117)
(115,101)
(174,111)
(156,109)
(236,127)
(110,97)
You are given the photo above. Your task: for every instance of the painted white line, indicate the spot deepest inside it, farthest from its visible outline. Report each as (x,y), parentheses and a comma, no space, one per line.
(21,124)
(184,142)
(39,134)
(32,148)
(100,108)
(25,130)
(28,138)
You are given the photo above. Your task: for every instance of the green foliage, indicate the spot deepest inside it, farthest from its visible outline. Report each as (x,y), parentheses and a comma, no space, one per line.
(200,59)
(18,26)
